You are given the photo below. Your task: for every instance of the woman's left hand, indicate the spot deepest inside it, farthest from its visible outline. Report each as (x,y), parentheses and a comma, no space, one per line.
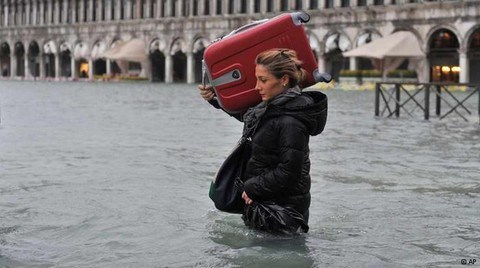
(247,199)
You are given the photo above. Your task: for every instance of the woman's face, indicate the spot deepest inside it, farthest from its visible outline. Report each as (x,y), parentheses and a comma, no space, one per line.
(267,84)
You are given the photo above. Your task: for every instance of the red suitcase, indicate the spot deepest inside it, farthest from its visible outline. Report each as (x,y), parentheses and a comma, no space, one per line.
(229,64)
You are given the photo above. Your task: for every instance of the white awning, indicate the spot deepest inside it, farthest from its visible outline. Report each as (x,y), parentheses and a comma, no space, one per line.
(398,44)
(132,50)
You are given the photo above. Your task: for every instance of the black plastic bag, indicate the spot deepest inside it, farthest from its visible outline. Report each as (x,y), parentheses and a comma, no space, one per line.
(273,218)
(226,190)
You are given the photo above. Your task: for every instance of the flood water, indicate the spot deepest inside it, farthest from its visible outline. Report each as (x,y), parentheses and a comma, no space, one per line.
(117,175)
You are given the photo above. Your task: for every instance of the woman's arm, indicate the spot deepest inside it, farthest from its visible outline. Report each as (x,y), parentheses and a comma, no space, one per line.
(208,94)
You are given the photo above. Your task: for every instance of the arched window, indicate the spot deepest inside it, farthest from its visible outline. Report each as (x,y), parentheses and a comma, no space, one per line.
(443,56)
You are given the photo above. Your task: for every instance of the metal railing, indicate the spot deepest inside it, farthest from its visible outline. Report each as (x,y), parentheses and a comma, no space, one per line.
(391,98)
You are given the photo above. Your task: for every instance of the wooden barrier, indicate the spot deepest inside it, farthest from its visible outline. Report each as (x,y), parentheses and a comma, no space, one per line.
(390,95)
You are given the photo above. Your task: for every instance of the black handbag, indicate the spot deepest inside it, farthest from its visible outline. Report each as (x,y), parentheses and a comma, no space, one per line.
(226,190)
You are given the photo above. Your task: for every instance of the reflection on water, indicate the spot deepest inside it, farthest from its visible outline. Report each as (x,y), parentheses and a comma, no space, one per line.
(117,175)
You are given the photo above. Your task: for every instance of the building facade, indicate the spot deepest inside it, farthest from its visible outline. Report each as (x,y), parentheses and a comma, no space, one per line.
(164,40)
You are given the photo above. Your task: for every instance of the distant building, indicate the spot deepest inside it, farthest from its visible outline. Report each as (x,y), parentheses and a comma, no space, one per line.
(164,39)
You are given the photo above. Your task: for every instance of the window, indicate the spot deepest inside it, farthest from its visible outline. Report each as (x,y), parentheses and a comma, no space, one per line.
(345,3)
(269,5)
(186,8)
(243,6)
(378,2)
(256,7)
(313,4)
(231,6)
(329,3)
(219,7)
(284,5)
(299,4)
(361,3)
(207,8)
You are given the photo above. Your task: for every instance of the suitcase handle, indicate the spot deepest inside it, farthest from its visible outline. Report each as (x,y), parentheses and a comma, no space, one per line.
(244,27)
(300,17)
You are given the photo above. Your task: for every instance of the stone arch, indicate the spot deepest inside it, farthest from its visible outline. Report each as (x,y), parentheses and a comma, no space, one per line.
(19,53)
(443,45)
(157,48)
(363,37)
(177,50)
(199,45)
(99,64)
(336,42)
(34,54)
(50,49)
(5,59)
(473,54)
(65,54)
(81,54)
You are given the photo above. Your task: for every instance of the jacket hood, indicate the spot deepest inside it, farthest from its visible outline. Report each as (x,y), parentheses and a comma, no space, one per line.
(310,107)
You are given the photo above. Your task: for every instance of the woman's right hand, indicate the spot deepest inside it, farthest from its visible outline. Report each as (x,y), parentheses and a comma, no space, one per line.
(206,92)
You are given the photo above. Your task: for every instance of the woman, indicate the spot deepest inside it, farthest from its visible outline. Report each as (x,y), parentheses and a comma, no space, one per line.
(279,168)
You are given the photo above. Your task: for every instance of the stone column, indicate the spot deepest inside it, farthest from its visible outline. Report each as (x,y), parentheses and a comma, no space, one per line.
(90,69)
(49,12)
(81,15)
(168,10)
(148,10)
(276,6)
(201,7)
(57,66)
(33,18)
(100,8)
(118,9)
(464,67)
(353,3)
(250,7)
(13,65)
(353,63)
(190,12)
(73,67)
(263,7)
(158,10)
(190,68)
(59,14)
(21,12)
(109,67)
(64,11)
(322,5)
(180,8)
(108,10)
(42,13)
(91,10)
(5,14)
(127,11)
(337,3)
(41,62)
(139,9)
(321,63)
(74,11)
(168,68)
(27,66)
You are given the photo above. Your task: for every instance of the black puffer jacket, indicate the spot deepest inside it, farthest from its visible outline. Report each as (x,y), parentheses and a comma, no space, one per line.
(279,168)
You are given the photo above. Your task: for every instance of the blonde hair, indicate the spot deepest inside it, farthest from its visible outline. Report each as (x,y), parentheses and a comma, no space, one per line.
(280,62)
